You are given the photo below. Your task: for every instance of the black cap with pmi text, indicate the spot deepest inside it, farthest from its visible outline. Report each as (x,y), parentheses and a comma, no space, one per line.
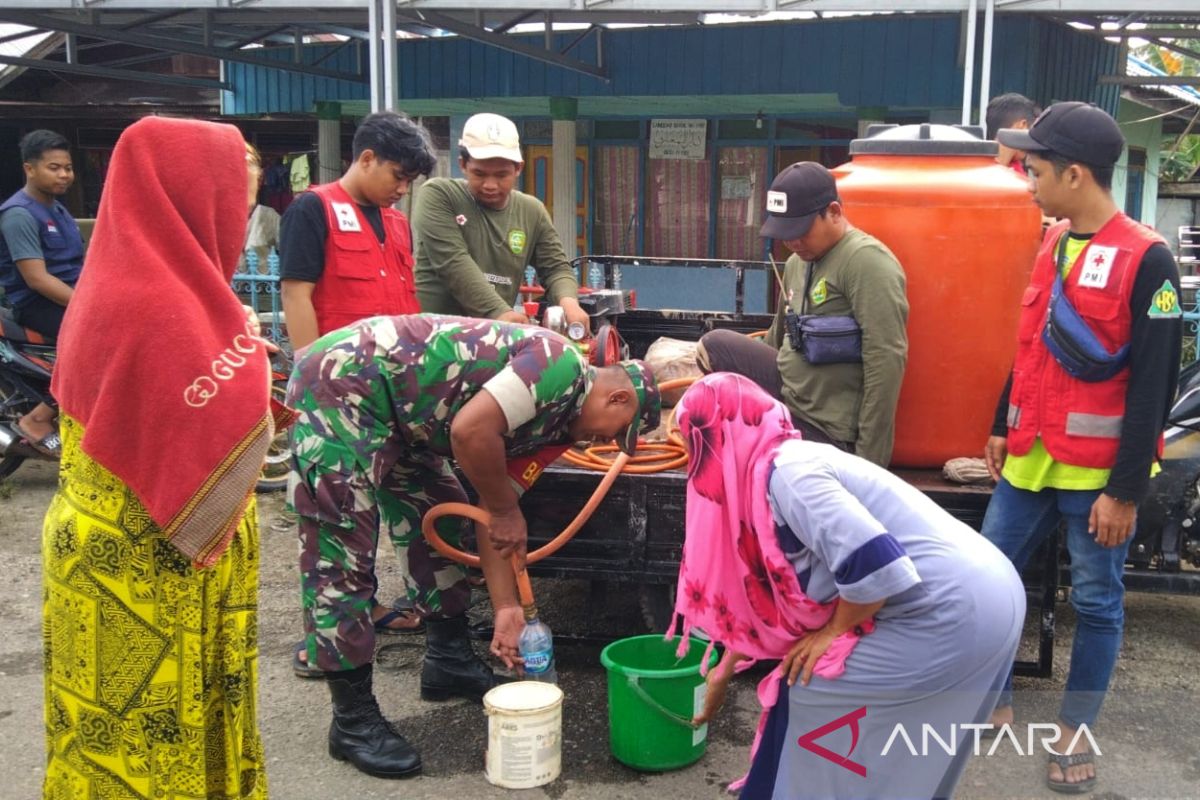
(797,195)
(1077,131)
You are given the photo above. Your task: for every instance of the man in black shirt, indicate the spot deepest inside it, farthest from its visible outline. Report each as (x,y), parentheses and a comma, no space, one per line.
(1079,427)
(345,252)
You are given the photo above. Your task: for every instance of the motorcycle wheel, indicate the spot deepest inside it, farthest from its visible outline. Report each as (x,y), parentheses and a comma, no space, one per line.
(12,406)
(9,464)
(274,475)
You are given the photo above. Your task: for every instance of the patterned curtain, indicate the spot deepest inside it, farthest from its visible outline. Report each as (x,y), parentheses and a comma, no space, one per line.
(742,176)
(614,229)
(677,214)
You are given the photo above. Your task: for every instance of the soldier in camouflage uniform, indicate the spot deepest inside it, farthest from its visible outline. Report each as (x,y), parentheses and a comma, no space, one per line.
(383,405)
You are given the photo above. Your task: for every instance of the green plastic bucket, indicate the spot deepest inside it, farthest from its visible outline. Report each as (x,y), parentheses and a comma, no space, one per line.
(652,697)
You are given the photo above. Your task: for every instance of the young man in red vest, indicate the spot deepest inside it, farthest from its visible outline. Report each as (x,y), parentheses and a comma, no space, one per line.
(345,253)
(1076,440)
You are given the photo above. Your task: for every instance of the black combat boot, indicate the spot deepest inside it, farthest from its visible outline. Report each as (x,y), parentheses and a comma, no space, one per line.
(359,733)
(451,667)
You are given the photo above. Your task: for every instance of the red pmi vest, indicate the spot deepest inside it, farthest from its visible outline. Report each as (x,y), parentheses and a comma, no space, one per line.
(362,277)
(1079,423)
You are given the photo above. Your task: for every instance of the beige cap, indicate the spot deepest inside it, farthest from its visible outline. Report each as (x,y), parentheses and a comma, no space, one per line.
(492,136)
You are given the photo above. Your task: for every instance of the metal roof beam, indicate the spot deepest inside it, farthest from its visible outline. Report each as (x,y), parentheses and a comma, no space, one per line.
(13,37)
(115,74)
(150,19)
(168,44)
(1113,7)
(503,42)
(1151,80)
(515,21)
(1149,33)
(258,36)
(131,60)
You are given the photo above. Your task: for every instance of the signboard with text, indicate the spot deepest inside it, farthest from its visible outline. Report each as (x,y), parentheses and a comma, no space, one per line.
(678,138)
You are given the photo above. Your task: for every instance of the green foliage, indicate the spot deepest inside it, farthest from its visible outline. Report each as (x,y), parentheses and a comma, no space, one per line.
(1180,154)
(1182,163)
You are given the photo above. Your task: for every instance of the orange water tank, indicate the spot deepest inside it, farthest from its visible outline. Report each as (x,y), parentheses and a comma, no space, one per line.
(966,231)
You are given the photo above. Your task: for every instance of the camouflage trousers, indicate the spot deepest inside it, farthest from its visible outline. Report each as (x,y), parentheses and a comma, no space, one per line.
(349,483)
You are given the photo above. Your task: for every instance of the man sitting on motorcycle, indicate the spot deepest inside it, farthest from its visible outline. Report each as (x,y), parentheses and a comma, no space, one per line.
(41,256)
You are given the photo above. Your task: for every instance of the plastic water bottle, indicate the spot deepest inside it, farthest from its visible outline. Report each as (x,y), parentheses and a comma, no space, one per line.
(595,277)
(530,276)
(536,646)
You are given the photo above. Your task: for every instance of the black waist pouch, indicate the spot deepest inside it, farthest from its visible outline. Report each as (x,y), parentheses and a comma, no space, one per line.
(825,339)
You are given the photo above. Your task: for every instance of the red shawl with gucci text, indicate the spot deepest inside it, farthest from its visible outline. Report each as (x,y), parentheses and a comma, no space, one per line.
(156,360)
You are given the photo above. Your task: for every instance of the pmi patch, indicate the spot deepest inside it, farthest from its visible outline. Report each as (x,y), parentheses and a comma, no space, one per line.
(1165,303)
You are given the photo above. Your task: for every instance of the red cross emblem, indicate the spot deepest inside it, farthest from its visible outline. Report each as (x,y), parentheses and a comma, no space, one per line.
(1098,259)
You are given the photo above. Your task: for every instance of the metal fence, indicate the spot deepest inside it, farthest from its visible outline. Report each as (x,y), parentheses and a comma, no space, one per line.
(259,289)
(1190,300)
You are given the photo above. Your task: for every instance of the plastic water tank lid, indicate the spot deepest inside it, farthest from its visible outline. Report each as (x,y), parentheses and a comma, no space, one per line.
(925,139)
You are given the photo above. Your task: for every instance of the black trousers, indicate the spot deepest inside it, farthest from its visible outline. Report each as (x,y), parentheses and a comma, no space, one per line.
(42,315)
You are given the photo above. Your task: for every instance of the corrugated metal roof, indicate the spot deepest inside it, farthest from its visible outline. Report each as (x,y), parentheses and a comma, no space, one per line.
(35,45)
(1188,94)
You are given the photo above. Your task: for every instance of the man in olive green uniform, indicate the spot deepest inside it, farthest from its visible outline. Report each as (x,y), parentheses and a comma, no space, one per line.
(836,271)
(477,235)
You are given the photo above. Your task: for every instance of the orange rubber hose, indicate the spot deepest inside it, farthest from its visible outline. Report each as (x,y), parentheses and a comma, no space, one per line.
(667,456)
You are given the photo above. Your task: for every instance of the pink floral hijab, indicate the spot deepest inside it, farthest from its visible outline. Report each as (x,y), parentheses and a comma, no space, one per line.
(734,582)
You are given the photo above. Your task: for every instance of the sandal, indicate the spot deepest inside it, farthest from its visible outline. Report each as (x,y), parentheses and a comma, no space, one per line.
(1073,760)
(383,625)
(49,445)
(302,668)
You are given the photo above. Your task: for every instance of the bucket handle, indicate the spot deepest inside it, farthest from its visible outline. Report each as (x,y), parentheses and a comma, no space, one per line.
(678,719)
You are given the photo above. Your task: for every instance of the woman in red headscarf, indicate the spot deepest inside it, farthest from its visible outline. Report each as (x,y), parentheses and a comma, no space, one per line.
(150,547)
(886,614)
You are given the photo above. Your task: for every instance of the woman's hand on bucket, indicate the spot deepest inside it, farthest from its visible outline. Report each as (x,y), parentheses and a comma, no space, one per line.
(508,623)
(717,686)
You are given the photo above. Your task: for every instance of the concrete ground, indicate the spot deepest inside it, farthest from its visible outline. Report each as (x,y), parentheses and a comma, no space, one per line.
(1149,733)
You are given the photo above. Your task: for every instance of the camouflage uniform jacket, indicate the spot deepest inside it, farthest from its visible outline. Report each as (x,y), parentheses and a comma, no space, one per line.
(422,369)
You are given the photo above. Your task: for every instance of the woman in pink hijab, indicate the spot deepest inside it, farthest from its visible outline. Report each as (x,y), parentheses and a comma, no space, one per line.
(889,617)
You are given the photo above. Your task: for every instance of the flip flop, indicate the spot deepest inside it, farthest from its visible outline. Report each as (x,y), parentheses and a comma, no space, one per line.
(383,624)
(301,668)
(49,445)
(1073,760)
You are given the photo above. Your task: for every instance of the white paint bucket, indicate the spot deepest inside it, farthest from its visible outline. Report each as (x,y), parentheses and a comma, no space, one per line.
(524,734)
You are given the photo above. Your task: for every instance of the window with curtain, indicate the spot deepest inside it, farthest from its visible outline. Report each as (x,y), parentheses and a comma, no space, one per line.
(614,227)
(742,186)
(677,193)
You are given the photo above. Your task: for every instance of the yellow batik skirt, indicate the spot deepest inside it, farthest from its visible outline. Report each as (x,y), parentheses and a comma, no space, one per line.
(151,673)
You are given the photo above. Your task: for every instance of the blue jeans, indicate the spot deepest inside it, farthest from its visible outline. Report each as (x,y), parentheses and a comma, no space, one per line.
(1017,522)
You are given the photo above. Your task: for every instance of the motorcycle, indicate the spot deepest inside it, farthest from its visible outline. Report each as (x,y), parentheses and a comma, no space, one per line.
(1168,526)
(26,364)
